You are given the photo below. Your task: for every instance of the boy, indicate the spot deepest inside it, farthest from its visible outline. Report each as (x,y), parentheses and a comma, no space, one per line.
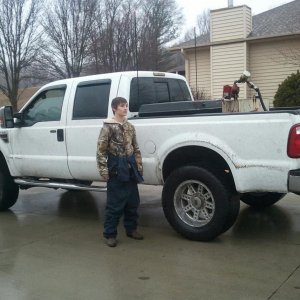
(120,164)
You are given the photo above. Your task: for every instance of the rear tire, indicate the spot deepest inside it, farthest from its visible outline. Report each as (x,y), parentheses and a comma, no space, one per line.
(197,203)
(9,190)
(261,200)
(234,209)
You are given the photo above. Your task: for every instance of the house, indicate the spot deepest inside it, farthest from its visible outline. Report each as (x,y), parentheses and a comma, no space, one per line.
(264,44)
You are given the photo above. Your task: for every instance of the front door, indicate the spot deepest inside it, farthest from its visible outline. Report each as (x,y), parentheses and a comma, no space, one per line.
(39,139)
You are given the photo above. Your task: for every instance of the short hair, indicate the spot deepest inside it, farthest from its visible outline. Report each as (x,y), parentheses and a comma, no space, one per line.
(117,101)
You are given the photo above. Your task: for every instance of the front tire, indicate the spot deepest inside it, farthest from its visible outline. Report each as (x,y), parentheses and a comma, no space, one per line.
(9,191)
(197,204)
(261,200)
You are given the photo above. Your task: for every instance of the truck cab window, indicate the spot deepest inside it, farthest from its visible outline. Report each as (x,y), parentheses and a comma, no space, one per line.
(178,90)
(91,100)
(162,92)
(148,90)
(184,89)
(45,107)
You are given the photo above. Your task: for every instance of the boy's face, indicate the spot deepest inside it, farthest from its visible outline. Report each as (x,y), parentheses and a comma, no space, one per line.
(121,110)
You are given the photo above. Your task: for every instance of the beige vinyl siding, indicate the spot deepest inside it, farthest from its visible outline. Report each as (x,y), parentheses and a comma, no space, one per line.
(269,67)
(203,71)
(230,24)
(232,51)
(246,101)
(187,67)
(248,20)
(227,64)
(247,57)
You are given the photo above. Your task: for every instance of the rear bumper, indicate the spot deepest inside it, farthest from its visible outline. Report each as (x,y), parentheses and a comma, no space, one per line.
(294,181)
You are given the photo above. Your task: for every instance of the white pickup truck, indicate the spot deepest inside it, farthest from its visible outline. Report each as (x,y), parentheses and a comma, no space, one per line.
(206,160)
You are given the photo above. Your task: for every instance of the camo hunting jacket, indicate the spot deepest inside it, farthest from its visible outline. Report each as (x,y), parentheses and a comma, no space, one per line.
(119,140)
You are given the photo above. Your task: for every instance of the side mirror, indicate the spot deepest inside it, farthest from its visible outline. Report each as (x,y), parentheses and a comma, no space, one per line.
(6,117)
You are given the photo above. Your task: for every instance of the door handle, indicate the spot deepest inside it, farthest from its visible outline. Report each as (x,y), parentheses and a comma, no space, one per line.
(60,135)
(52,131)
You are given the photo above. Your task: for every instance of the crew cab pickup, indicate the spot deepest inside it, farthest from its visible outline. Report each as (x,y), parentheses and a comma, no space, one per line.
(206,160)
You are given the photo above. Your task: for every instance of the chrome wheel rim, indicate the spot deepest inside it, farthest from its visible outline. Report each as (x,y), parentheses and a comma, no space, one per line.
(194,203)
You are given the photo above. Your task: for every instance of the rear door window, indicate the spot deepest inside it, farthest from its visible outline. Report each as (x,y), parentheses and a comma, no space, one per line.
(91,100)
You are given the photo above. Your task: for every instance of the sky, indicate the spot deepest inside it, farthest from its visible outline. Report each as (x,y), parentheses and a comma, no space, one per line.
(192,8)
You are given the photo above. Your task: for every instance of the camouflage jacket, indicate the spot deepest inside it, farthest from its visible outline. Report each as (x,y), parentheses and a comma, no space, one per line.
(119,140)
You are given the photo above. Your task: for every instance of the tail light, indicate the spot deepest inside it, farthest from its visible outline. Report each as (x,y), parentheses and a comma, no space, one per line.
(293,148)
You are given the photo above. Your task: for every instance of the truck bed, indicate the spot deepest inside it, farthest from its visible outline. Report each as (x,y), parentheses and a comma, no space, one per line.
(202,107)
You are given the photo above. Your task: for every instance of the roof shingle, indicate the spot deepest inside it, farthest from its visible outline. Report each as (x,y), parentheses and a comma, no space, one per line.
(284,19)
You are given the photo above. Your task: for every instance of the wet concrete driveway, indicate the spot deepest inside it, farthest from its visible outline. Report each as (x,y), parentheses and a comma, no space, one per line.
(51,248)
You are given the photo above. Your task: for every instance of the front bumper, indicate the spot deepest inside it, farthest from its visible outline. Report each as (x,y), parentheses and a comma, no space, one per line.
(294,181)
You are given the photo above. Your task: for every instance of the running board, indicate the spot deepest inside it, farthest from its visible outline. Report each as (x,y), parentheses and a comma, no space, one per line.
(59,185)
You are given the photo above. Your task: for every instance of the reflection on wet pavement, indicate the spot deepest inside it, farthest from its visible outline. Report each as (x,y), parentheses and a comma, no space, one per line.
(51,248)
(78,203)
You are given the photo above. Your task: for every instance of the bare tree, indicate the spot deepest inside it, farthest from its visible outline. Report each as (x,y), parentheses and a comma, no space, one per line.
(112,46)
(19,37)
(202,27)
(132,34)
(203,23)
(188,35)
(67,26)
(160,21)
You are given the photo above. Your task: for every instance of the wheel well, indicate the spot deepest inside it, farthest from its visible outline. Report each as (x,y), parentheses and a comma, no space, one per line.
(200,156)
